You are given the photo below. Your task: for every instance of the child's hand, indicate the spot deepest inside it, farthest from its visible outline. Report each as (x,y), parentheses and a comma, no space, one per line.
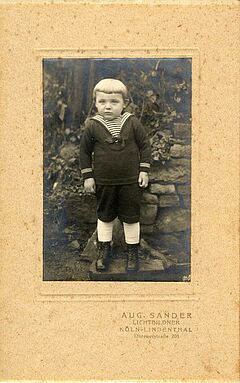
(143,179)
(89,185)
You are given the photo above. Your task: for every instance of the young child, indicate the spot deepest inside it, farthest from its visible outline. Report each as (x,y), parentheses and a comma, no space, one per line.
(115,161)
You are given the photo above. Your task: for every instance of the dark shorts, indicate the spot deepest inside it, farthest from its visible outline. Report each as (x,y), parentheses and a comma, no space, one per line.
(122,201)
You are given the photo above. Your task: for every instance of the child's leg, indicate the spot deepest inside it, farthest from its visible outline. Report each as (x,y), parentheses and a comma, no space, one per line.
(106,211)
(131,232)
(132,237)
(104,231)
(129,212)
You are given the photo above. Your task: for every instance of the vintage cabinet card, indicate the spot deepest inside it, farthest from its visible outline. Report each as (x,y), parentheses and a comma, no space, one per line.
(73,308)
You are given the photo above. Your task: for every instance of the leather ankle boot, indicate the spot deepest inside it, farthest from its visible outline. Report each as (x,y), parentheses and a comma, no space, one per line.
(104,251)
(132,258)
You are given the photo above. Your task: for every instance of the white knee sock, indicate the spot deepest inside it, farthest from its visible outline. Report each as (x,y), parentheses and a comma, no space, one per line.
(131,232)
(104,231)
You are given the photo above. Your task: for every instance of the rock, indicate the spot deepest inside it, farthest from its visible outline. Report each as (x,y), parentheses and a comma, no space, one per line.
(168,200)
(74,245)
(177,244)
(149,270)
(176,171)
(173,243)
(147,229)
(90,251)
(185,238)
(166,132)
(156,253)
(173,220)
(149,198)
(162,189)
(80,208)
(182,131)
(175,162)
(184,189)
(179,151)
(148,214)
(172,163)
(167,241)
(69,230)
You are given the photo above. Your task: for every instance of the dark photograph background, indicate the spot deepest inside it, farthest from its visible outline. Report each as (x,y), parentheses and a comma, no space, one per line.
(160,96)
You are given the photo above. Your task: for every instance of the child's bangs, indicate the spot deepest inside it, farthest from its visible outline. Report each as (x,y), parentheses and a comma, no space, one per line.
(111,88)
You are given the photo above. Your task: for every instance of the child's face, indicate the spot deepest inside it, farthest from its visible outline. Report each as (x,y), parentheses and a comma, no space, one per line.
(109,105)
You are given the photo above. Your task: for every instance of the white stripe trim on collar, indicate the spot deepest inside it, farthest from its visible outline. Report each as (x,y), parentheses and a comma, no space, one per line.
(124,118)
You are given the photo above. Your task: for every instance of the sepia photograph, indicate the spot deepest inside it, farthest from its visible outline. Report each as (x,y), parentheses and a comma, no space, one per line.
(117,169)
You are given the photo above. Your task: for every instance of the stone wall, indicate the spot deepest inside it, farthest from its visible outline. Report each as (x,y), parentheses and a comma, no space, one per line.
(165,209)
(166,205)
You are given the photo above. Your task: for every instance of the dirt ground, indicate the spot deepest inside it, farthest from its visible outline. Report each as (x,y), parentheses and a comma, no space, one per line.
(64,264)
(63,246)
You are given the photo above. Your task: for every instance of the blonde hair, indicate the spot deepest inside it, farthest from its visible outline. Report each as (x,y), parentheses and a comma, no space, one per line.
(111,85)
